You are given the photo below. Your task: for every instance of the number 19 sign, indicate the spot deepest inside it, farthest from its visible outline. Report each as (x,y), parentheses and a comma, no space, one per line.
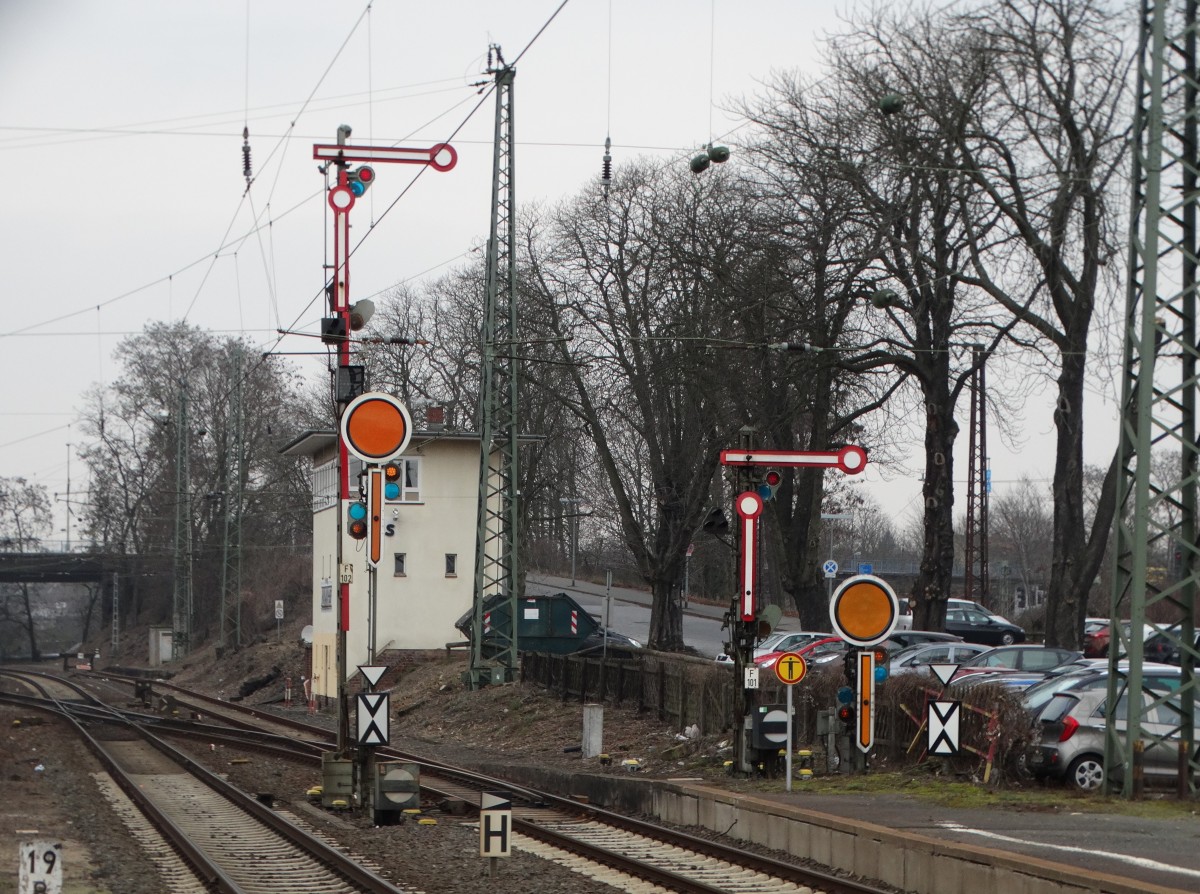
(41,868)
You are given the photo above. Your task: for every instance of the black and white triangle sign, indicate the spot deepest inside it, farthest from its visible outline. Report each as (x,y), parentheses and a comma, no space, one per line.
(944,672)
(372,673)
(943,728)
(372,718)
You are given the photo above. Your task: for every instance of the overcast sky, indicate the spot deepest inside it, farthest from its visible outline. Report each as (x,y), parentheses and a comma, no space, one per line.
(121,134)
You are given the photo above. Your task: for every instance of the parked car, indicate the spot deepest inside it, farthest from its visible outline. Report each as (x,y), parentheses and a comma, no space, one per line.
(1096,636)
(955,602)
(976,627)
(831,646)
(1018,680)
(1028,657)
(916,659)
(1091,673)
(904,620)
(906,638)
(1073,726)
(1164,644)
(595,641)
(780,641)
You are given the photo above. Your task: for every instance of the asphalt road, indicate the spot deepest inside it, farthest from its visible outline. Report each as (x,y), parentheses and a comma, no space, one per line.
(630,612)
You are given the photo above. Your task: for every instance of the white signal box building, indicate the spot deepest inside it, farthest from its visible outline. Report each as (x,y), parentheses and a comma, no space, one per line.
(426,572)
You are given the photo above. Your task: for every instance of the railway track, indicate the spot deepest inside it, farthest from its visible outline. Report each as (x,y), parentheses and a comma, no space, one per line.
(671,860)
(228,841)
(625,852)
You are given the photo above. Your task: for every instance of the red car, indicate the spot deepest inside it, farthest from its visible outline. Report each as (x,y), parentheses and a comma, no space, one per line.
(1096,635)
(826,646)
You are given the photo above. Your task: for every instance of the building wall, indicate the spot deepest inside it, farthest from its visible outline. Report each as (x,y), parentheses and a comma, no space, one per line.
(416,609)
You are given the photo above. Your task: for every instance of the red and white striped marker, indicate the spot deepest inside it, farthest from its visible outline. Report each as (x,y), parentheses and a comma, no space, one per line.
(749,506)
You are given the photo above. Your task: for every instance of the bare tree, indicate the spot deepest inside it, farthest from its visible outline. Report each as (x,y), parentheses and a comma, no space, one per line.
(802,291)
(24,520)
(1044,145)
(898,176)
(133,455)
(616,282)
(1021,524)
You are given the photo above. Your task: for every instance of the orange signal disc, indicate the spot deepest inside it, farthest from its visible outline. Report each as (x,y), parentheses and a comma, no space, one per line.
(864,610)
(376,427)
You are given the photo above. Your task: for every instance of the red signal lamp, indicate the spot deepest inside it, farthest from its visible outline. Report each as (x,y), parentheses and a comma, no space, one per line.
(360,179)
(770,483)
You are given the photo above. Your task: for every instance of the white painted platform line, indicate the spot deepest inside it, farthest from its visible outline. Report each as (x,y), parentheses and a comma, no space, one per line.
(1140,862)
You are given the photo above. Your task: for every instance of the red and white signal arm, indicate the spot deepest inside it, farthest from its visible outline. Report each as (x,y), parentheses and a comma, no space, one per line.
(376,427)
(749,506)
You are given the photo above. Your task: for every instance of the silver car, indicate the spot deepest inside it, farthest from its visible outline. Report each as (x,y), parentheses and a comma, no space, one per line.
(1072,725)
(916,659)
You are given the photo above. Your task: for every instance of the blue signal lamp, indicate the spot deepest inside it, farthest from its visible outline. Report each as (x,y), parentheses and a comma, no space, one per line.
(357,511)
(360,179)
(881,673)
(770,484)
(391,491)
(845,695)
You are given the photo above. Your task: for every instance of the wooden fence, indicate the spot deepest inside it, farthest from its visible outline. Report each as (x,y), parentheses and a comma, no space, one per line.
(684,691)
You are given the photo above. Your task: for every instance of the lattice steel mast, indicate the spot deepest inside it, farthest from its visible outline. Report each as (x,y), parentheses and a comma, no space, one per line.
(497,565)
(231,542)
(181,602)
(976,586)
(1157,519)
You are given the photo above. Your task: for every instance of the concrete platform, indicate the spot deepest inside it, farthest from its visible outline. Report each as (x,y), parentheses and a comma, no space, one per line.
(928,861)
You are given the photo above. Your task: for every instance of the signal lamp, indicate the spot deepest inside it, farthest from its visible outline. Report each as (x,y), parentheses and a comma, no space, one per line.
(391,479)
(356,525)
(360,179)
(771,481)
(845,714)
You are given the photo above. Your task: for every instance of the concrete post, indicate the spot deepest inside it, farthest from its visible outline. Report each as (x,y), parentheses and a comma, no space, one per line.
(593,730)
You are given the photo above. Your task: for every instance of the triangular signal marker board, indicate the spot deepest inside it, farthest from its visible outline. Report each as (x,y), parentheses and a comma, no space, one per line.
(944,672)
(372,673)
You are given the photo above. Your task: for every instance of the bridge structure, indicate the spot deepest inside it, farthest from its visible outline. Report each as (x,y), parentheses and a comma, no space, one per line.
(58,562)
(66,562)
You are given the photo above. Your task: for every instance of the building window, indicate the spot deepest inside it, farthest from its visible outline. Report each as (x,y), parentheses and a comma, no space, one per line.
(410,487)
(399,567)
(325,486)
(451,564)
